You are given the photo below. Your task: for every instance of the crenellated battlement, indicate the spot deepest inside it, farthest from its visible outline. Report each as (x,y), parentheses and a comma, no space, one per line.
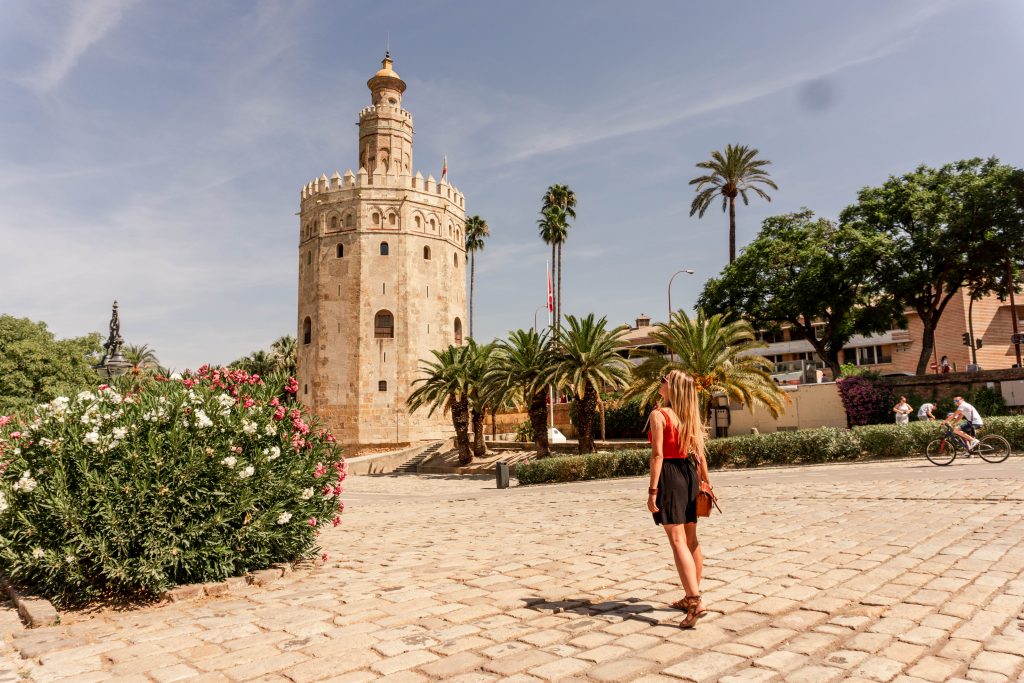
(393,180)
(377,109)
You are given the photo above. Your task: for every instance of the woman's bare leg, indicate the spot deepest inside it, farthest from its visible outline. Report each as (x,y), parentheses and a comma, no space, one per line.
(683,558)
(694,545)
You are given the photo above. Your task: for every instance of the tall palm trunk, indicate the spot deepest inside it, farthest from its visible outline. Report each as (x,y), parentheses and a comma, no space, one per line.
(539,421)
(732,228)
(477,421)
(554,298)
(587,407)
(558,310)
(460,420)
(472,281)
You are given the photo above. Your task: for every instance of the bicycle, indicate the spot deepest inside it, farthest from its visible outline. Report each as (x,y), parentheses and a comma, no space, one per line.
(942,451)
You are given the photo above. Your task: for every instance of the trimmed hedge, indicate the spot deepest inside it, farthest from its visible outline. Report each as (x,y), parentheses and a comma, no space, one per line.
(779,448)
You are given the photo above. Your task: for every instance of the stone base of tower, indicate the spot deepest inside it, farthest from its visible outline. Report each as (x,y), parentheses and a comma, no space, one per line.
(353,427)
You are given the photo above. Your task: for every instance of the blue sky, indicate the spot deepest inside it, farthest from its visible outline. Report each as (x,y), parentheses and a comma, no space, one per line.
(153,152)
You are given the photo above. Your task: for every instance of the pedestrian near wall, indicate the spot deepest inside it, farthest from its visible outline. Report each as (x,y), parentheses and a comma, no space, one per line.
(677,467)
(903,410)
(925,411)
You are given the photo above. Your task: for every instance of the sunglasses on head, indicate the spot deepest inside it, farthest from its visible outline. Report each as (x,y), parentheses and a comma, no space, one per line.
(664,379)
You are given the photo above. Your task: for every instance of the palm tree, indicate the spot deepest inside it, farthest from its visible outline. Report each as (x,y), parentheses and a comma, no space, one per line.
(522,366)
(564,198)
(257,363)
(476,231)
(141,357)
(587,359)
(478,360)
(554,227)
(717,353)
(446,385)
(734,173)
(284,353)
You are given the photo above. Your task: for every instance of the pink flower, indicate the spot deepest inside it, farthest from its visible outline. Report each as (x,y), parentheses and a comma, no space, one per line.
(104,387)
(337,490)
(275,401)
(312,521)
(279,413)
(292,387)
(236,449)
(15,435)
(5,420)
(337,520)
(341,506)
(328,491)
(300,426)
(330,438)
(320,470)
(248,402)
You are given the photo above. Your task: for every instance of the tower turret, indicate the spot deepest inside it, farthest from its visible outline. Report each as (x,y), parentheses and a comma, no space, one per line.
(385,129)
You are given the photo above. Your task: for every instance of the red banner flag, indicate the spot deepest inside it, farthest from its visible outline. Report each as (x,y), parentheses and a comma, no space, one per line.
(551,296)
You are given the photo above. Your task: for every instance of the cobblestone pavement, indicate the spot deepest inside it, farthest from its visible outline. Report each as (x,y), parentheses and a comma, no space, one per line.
(880,572)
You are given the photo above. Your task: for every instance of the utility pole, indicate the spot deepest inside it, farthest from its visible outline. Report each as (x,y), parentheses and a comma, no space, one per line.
(1013,311)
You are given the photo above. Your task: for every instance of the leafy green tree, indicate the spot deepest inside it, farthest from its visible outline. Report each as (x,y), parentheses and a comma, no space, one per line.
(142,357)
(445,384)
(562,197)
(479,358)
(522,366)
(554,228)
(284,354)
(718,354)
(587,360)
(958,226)
(812,274)
(259,363)
(36,367)
(731,175)
(476,231)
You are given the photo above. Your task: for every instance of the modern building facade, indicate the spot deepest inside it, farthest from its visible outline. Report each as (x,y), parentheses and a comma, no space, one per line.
(382,280)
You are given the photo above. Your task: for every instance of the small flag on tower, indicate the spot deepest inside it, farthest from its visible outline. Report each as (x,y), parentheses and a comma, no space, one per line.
(444,168)
(551,297)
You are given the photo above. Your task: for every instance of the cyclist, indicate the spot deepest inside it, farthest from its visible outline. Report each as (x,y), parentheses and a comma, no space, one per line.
(971,421)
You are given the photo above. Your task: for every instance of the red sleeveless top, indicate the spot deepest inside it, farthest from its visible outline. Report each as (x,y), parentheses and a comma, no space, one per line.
(670,446)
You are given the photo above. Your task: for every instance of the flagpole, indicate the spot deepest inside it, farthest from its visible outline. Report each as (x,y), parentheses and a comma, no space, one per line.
(551,391)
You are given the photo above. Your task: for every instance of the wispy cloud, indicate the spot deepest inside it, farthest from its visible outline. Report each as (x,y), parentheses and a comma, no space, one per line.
(90,23)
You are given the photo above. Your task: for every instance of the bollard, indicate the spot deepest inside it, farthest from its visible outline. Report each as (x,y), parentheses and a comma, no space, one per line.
(502,474)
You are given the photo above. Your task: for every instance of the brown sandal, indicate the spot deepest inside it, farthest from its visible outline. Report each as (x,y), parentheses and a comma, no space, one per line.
(694,611)
(679,604)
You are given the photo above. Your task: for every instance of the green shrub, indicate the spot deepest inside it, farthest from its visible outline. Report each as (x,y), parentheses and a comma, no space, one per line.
(826,444)
(166,483)
(1009,427)
(895,441)
(524,432)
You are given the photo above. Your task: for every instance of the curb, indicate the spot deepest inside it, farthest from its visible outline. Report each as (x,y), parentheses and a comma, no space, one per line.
(33,610)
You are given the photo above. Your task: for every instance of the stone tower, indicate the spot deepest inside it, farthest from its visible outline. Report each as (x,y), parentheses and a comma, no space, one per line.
(382,280)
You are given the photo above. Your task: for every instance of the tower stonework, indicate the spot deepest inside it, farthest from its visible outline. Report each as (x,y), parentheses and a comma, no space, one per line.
(382,281)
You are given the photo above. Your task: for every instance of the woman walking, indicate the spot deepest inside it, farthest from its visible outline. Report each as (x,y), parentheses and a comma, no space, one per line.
(677,466)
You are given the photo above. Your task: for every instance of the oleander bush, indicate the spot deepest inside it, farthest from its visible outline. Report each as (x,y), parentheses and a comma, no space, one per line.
(822,445)
(127,490)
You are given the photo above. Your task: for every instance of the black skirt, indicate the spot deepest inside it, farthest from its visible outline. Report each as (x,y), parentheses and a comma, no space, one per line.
(677,492)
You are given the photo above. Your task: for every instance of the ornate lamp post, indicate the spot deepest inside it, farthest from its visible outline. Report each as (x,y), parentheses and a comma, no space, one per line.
(114,363)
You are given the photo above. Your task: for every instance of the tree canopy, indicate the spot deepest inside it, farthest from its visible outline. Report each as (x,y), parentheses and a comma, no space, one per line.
(802,270)
(35,366)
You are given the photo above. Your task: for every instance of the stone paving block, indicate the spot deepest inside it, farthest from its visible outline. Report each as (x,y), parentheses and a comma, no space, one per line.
(515,663)
(402,662)
(998,662)
(815,674)
(169,674)
(705,667)
(960,648)
(923,635)
(878,669)
(270,662)
(767,637)
(560,668)
(620,669)
(980,676)
(904,652)
(782,660)
(447,667)
(750,675)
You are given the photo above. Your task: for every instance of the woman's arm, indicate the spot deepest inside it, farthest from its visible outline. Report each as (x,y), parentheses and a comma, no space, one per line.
(657,456)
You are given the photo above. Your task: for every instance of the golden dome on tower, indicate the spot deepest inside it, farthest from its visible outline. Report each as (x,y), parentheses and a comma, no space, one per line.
(387,71)
(386,77)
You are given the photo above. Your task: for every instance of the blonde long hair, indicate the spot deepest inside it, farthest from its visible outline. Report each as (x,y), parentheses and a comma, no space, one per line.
(682,397)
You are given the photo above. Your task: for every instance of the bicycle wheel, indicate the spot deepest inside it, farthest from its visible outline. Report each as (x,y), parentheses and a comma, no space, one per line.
(941,451)
(993,448)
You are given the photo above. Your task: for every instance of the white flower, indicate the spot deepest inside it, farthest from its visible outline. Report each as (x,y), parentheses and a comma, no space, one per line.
(70,559)
(203,420)
(3,503)
(38,553)
(272,453)
(247,472)
(120,432)
(307,494)
(230,461)
(17,451)
(270,429)
(91,438)
(59,405)
(86,396)
(249,427)
(226,400)
(26,483)
(284,518)
(46,442)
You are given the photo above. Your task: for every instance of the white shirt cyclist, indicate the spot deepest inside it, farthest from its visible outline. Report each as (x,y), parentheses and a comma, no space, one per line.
(970,413)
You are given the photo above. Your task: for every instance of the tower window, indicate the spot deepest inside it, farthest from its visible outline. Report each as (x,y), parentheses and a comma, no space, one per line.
(309,257)
(334,222)
(341,251)
(455,259)
(418,221)
(426,253)
(458,332)
(384,325)
(305,388)
(382,386)
(383,248)
(376,218)
(307,330)
(392,218)
(349,221)
(433,225)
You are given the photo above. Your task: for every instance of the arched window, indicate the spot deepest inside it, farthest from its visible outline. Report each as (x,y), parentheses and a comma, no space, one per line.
(382,386)
(449,229)
(455,259)
(341,250)
(458,332)
(307,330)
(426,253)
(418,221)
(334,222)
(376,218)
(350,221)
(383,325)
(383,248)
(392,218)
(433,225)
(458,235)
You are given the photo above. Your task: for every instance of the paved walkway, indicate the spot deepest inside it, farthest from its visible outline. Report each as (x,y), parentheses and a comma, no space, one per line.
(882,572)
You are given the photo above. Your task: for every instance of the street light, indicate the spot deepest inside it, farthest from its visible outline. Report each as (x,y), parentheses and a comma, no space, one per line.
(535,315)
(688,271)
